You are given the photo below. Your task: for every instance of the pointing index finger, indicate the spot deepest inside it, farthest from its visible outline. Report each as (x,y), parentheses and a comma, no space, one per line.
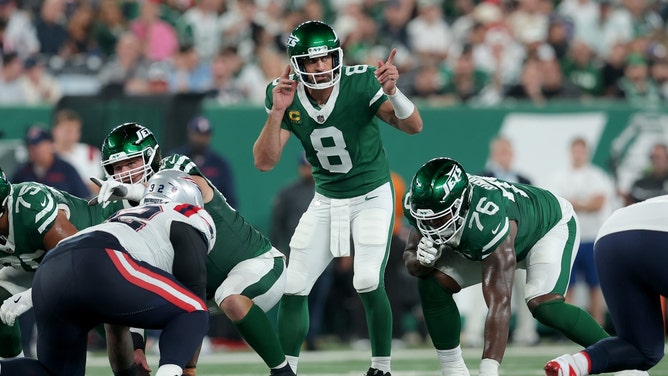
(286,72)
(390,59)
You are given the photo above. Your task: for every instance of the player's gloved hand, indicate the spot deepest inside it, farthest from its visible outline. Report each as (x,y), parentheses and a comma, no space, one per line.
(112,190)
(489,367)
(15,306)
(427,254)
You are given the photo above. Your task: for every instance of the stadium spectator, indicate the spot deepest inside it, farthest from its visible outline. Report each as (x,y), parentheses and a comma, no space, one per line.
(66,132)
(80,39)
(430,22)
(614,62)
(654,181)
(591,192)
(12,90)
(50,27)
(39,86)
(157,38)
(19,35)
(580,68)
(636,86)
(224,71)
(109,26)
(46,167)
(126,70)
(212,164)
(187,73)
(200,26)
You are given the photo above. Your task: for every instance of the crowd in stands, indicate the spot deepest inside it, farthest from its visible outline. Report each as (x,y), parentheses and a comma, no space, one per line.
(480,52)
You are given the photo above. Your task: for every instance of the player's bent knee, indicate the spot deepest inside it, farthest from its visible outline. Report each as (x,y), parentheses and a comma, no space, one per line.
(236,306)
(653,358)
(365,283)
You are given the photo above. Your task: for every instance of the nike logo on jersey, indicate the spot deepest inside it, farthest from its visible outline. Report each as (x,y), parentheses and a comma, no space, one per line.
(496,229)
(43,202)
(17,299)
(367,198)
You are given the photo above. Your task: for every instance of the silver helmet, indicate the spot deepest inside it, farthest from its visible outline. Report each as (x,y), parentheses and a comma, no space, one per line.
(172,186)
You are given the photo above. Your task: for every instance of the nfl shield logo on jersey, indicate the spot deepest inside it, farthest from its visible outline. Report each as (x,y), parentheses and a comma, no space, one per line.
(320,119)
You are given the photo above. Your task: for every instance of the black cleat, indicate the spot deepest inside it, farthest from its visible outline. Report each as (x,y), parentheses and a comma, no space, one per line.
(283,371)
(376,372)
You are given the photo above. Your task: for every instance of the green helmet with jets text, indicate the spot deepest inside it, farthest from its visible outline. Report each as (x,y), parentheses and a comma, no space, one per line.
(312,40)
(439,200)
(121,149)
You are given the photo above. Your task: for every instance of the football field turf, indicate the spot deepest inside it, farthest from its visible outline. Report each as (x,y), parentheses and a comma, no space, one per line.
(519,361)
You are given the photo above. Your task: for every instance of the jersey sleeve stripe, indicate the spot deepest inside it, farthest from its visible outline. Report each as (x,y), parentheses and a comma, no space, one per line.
(151,281)
(376,97)
(49,212)
(503,232)
(187,209)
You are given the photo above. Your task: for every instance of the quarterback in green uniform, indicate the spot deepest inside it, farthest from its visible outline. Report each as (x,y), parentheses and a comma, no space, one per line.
(33,219)
(245,274)
(476,229)
(332,109)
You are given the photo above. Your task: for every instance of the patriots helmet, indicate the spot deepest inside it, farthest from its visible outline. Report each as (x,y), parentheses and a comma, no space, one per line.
(125,143)
(310,40)
(172,186)
(439,200)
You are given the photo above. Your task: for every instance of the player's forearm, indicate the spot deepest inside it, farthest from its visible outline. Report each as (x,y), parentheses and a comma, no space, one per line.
(497,326)
(268,146)
(412,124)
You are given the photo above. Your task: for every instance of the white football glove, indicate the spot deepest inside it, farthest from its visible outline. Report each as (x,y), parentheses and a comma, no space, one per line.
(112,190)
(15,306)
(427,254)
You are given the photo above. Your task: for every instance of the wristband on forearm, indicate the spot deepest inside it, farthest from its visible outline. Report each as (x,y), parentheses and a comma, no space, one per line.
(403,107)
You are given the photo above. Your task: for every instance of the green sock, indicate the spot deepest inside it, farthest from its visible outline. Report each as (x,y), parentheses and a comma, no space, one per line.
(257,330)
(572,321)
(10,346)
(440,314)
(378,320)
(292,323)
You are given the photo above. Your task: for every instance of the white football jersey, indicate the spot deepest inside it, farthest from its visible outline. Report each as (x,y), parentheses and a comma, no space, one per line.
(651,214)
(144,231)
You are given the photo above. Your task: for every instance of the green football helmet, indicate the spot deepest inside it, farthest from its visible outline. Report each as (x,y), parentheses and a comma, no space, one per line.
(314,39)
(439,200)
(128,141)
(5,190)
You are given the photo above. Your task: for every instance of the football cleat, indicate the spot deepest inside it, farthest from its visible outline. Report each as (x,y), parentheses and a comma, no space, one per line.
(376,372)
(283,371)
(561,366)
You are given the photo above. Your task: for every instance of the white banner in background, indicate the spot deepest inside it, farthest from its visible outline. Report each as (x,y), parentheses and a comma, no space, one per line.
(542,141)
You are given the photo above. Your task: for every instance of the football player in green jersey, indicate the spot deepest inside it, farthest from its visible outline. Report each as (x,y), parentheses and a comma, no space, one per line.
(470,229)
(332,109)
(245,274)
(33,219)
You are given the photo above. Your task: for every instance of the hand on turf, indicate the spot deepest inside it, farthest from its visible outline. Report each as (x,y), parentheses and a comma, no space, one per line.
(15,306)
(427,254)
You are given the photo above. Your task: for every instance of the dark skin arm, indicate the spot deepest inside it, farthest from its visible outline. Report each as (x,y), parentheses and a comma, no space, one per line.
(61,229)
(498,271)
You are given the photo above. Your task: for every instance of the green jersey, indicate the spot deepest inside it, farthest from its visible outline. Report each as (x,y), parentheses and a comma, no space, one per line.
(33,208)
(493,204)
(236,239)
(342,138)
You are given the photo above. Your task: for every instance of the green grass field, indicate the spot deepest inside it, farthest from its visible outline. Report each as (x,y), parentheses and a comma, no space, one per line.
(519,361)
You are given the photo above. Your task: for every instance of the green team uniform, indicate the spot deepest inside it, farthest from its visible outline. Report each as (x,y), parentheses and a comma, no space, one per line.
(494,203)
(236,239)
(32,211)
(342,139)
(545,245)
